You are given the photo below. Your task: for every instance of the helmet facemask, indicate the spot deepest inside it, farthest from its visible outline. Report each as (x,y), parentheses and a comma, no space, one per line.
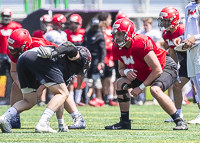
(122,39)
(16,52)
(5,19)
(164,24)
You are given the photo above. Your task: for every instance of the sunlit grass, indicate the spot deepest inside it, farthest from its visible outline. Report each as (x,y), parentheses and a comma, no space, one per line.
(147,126)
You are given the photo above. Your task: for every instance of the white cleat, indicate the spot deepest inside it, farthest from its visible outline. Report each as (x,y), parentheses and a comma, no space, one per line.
(195,121)
(171,120)
(44,128)
(63,128)
(5,125)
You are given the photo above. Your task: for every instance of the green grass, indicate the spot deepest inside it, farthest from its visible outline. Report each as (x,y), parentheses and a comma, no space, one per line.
(147,126)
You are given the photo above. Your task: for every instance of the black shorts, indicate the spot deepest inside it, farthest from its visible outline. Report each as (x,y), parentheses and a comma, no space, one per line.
(34,71)
(167,78)
(116,69)
(108,71)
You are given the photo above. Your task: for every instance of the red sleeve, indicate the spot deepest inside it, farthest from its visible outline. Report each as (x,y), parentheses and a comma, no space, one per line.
(115,54)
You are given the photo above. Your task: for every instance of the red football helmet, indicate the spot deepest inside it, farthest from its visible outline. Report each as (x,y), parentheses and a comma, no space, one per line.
(45,22)
(76,19)
(168,18)
(125,26)
(6,14)
(18,42)
(59,20)
(121,15)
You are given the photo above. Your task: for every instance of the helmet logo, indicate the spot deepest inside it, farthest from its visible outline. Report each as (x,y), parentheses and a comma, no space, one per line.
(11,41)
(74,18)
(163,14)
(115,26)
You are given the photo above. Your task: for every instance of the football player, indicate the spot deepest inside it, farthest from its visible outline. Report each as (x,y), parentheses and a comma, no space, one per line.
(75,34)
(45,25)
(169,21)
(54,80)
(57,35)
(6,28)
(15,90)
(141,64)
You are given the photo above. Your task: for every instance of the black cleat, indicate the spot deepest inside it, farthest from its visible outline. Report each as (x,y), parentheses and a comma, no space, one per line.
(121,125)
(180,124)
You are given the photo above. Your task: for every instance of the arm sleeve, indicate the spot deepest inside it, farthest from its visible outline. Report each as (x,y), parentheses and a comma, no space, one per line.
(66,48)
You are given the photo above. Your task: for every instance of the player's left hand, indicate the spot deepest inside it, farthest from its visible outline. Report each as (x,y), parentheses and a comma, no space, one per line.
(44,52)
(135,92)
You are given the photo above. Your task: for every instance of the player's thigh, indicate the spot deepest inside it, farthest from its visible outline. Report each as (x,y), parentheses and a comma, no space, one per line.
(59,89)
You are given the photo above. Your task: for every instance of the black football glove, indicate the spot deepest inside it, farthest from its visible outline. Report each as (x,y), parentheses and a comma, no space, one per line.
(44,52)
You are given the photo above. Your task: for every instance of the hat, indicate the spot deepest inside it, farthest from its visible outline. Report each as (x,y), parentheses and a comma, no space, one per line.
(95,21)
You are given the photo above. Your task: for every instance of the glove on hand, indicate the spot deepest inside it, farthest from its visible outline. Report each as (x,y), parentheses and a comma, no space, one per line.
(44,52)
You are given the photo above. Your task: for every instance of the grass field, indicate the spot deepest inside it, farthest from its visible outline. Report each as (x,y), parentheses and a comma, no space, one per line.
(147,126)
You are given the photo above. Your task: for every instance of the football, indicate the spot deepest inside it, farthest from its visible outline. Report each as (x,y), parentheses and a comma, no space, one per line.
(180,48)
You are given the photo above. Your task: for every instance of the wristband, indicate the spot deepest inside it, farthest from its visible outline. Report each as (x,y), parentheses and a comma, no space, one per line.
(197,37)
(142,86)
(127,70)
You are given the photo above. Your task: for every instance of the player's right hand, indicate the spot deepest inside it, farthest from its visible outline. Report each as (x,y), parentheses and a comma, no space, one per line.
(44,52)
(177,41)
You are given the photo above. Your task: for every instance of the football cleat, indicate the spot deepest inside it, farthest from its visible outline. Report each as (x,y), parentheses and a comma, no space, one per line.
(63,128)
(44,128)
(15,122)
(78,123)
(5,124)
(113,103)
(96,102)
(120,126)
(195,121)
(180,124)
(171,120)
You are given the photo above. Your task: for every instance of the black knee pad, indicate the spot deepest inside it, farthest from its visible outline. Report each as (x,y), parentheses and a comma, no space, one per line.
(122,92)
(125,86)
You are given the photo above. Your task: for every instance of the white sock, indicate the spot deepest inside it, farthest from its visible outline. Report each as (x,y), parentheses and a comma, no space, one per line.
(110,97)
(75,113)
(78,93)
(61,121)
(47,114)
(10,113)
(179,111)
(71,93)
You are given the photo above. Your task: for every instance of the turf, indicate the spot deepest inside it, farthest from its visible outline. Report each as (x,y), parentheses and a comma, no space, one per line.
(147,126)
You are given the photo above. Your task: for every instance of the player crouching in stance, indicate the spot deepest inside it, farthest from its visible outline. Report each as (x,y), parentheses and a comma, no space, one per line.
(43,67)
(141,64)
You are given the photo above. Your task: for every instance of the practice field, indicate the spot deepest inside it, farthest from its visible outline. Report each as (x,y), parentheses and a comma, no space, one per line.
(147,126)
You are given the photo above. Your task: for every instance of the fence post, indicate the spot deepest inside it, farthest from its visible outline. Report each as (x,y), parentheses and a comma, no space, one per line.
(66,4)
(26,5)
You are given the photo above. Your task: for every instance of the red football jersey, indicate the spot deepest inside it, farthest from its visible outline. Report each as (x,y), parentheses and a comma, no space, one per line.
(133,57)
(108,42)
(39,34)
(169,37)
(36,42)
(5,31)
(77,37)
